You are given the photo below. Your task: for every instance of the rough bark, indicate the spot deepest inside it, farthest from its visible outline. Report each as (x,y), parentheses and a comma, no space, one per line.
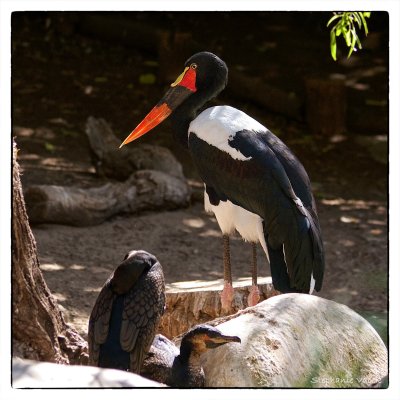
(192,303)
(38,327)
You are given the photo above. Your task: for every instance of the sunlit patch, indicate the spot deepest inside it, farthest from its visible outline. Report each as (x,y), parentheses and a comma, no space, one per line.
(59,296)
(51,267)
(355,204)
(376,232)
(347,243)
(376,222)
(349,220)
(210,233)
(194,222)
(77,267)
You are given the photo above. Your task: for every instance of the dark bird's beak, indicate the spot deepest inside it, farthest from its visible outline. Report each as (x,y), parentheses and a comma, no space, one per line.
(180,90)
(216,341)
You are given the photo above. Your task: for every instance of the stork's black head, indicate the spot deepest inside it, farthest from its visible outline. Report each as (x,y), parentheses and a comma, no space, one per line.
(202,338)
(203,77)
(210,73)
(136,263)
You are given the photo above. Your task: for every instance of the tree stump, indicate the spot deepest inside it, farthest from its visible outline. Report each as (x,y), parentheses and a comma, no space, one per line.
(326,106)
(38,326)
(196,302)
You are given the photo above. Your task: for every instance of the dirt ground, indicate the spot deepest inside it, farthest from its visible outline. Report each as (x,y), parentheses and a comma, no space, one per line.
(60,78)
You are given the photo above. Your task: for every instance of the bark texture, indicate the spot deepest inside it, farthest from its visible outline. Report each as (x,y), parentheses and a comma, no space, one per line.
(197,302)
(38,327)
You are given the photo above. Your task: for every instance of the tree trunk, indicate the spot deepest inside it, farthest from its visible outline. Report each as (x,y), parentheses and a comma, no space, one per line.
(38,326)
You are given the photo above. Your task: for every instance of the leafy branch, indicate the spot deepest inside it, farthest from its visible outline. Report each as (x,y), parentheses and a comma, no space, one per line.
(346,26)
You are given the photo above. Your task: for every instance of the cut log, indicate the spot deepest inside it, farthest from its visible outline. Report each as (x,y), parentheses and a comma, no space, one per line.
(119,163)
(144,190)
(196,302)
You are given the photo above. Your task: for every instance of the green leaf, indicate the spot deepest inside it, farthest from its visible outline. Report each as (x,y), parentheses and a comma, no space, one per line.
(353,42)
(49,147)
(151,63)
(357,18)
(333,44)
(333,18)
(347,36)
(100,79)
(147,79)
(364,22)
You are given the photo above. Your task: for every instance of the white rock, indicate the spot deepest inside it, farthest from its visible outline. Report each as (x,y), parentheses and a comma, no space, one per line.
(297,340)
(35,374)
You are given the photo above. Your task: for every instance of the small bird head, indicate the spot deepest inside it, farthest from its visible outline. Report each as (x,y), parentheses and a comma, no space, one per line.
(135,263)
(204,337)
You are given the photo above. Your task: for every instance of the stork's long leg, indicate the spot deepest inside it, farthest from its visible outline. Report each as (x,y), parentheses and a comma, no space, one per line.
(227,292)
(254,295)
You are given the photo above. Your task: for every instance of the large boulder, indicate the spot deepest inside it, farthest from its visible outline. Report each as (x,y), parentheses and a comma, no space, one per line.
(298,340)
(35,374)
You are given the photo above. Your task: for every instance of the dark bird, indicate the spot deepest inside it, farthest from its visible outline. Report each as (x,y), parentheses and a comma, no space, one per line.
(254,184)
(182,368)
(127,312)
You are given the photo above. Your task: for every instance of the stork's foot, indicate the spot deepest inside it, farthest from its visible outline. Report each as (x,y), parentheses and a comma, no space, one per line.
(227,297)
(254,296)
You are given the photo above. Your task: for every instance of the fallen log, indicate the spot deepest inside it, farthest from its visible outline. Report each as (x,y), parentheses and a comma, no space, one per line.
(144,190)
(196,302)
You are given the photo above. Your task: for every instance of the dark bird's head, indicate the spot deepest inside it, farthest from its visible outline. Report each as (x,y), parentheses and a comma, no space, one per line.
(203,77)
(135,264)
(202,338)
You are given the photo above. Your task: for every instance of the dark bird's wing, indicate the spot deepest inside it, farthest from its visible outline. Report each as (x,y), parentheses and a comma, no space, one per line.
(273,184)
(158,362)
(99,322)
(143,306)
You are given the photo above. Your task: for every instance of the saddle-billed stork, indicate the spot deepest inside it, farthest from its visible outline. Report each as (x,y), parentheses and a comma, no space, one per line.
(253,182)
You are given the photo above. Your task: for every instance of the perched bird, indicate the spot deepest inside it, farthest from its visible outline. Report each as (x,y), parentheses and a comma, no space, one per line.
(254,184)
(127,312)
(182,368)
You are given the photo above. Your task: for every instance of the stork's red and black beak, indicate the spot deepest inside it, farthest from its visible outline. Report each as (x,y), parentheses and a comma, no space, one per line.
(180,90)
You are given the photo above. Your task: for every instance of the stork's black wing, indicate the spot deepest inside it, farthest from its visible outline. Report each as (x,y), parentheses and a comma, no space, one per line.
(273,184)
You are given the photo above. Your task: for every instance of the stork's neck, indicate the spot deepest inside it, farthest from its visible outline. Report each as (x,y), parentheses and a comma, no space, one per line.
(193,105)
(185,114)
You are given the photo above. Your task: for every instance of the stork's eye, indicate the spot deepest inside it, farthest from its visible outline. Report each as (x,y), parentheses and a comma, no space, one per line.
(193,66)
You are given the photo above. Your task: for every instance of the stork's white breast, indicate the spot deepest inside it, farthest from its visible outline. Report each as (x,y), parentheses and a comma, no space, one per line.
(217,125)
(231,217)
